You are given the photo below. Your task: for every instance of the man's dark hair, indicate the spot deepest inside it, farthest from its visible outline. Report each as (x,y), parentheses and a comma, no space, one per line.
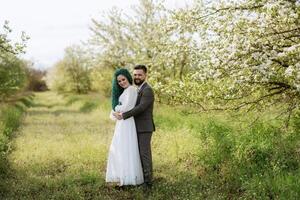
(142,67)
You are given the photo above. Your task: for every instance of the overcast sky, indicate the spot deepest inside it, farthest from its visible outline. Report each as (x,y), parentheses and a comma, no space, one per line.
(55,24)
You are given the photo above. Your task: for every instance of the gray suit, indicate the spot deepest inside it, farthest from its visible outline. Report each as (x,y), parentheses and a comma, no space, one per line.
(143,116)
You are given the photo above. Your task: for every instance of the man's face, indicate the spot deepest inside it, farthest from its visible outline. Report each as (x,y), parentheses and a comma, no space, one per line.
(139,76)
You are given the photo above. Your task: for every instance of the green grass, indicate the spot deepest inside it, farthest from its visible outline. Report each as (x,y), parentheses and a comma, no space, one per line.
(10,120)
(60,152)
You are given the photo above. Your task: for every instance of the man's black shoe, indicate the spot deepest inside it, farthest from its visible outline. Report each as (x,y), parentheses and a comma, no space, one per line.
(118,187)
(147,185)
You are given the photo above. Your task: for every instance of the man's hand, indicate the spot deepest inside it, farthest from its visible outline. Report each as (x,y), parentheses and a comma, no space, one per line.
(118,115)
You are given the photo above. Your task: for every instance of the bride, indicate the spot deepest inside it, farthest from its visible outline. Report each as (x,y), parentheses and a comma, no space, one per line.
(124,164)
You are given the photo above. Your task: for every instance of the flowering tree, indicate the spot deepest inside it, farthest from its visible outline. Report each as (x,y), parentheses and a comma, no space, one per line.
(5,43)
(247,52)
(12,68)
(240,54)
(120,40)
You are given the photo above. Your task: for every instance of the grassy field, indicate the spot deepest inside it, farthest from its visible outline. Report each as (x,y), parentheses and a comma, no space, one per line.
(60,152)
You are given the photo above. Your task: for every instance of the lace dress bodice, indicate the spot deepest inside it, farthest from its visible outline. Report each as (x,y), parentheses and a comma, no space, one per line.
(127,101)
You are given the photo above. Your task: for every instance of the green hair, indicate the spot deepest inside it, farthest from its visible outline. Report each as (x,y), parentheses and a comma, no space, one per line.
(117,90)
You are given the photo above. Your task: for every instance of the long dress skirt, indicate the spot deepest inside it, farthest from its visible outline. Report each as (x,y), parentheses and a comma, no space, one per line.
(124,164)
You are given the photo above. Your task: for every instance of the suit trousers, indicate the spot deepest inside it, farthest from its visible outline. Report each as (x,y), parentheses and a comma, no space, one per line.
(144,140)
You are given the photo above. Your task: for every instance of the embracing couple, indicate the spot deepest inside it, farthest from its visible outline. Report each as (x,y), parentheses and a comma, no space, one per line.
(130,159)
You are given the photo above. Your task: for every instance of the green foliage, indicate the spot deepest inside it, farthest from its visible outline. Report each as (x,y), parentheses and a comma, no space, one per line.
(218,138)
(236,160)
(101,79)
(72,73)
(12,76)
(10,119)
(10,116)
(9,122)
(12,69)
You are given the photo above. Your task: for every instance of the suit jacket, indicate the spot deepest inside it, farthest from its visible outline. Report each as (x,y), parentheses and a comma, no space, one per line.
(143,110)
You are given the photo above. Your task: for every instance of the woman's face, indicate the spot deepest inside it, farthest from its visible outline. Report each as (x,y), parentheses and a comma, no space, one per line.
(122,81)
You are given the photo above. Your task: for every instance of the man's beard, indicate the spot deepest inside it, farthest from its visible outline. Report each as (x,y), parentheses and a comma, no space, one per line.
(138,81)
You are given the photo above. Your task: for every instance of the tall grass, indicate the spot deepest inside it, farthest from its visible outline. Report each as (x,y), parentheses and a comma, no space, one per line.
(10,120)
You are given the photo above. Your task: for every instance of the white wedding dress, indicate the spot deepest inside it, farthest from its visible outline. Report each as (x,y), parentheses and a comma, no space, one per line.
(124,164)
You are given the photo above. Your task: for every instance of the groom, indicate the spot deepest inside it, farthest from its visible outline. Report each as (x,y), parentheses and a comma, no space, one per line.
(143,116)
